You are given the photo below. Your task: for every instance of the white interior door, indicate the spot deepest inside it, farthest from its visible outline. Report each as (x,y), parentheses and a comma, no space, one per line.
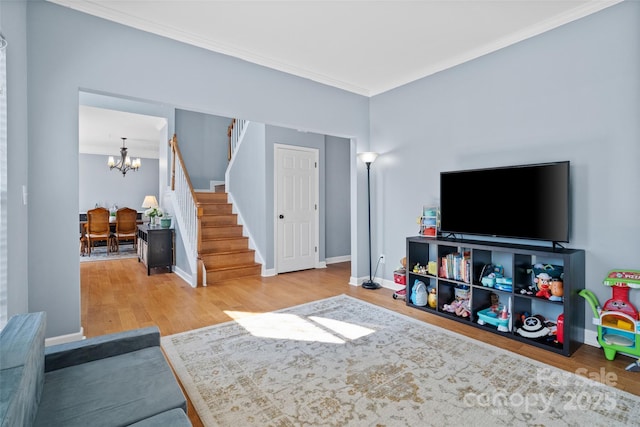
(296,174)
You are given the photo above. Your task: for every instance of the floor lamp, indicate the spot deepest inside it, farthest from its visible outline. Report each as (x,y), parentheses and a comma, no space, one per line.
(368,158)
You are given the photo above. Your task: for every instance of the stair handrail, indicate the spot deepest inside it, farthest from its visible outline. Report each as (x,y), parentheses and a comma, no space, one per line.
(235,132)
(188,211)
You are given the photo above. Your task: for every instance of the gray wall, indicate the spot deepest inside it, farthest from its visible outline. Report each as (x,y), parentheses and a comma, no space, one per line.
(105,187)
(248,185)
(69,52)
(337,201)
(569,94)
(280,135)
(203,141)
(13,18)
(252,187)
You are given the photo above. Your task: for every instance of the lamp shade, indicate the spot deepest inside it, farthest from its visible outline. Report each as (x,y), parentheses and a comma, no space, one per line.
(150,202)
(368,156)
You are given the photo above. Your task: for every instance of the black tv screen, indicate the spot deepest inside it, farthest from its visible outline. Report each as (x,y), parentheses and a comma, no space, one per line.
(525,201)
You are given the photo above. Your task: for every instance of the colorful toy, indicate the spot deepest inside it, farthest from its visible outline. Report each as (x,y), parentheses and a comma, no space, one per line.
(534,327)
(618,320)
(543,276)
(400,278)
(432,268)
(400,294)
(496,315)
(543,282)
(459,307)
(432,298)
(419,293)
(429,221)
(557,289)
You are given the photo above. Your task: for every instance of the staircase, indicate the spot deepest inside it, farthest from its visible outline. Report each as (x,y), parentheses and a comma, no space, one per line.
(223,249)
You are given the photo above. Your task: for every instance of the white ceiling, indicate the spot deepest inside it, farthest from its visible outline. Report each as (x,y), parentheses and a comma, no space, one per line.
(365,47)
(101,130)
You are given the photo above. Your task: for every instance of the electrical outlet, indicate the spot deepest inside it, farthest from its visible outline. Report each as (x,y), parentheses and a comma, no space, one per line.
(381,259)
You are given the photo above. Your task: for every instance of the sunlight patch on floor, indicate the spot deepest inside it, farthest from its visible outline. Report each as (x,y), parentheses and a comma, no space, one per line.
(348,330)
(292,327)
(236,315)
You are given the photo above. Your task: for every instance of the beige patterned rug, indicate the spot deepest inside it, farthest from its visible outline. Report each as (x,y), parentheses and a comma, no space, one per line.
(345,362)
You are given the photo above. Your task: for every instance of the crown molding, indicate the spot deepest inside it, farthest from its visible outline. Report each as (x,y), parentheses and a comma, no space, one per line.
(102,10)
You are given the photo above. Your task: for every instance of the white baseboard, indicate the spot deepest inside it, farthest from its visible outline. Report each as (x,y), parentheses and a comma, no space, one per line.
(591,338)
(389,284)
(63,339)
(268,272)
(184,275)
(337,259)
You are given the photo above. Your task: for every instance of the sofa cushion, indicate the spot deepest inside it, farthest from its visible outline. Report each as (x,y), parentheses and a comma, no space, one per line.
(21,368)
(95,348)
(172,418)
(114,391)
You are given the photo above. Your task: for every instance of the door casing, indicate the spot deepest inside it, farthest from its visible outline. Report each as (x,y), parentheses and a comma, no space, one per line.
(315,199)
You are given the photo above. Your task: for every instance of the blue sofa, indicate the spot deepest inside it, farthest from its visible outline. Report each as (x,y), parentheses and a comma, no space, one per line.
(113,380)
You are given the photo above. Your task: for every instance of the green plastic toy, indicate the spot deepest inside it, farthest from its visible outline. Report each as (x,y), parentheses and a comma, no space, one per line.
(618,320)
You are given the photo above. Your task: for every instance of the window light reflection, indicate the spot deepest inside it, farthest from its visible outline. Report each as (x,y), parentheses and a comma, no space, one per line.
(348,330)
(293,327)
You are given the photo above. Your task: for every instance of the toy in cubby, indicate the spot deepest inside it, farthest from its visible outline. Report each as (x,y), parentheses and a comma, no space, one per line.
(419,293)
(461,304)
(497,314)
(432,298)
(537,327)
(431,268)
(618,320)
(419,268)
(546,282)
(492,276)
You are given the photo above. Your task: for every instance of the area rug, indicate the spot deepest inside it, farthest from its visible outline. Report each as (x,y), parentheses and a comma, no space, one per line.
(100,254)
(345,362)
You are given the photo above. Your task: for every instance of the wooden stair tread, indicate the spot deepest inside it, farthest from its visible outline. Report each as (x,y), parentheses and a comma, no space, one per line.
(229,252)
(222,240)
(234,267)
(225,238)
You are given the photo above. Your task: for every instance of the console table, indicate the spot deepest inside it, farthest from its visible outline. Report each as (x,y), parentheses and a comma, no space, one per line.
(155,246)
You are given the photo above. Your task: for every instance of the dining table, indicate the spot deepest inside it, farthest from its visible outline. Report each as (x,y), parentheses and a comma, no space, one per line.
(112,227)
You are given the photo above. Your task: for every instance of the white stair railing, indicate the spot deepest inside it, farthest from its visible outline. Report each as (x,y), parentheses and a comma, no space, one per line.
(185,208)
(235,132)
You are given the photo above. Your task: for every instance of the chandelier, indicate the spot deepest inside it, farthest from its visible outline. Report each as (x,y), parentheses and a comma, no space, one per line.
(125,164)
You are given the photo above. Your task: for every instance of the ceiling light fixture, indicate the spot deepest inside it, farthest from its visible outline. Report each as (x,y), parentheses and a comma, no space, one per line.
(124,164)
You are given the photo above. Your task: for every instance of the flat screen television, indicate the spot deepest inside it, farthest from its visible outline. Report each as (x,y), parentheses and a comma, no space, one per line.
(524,202)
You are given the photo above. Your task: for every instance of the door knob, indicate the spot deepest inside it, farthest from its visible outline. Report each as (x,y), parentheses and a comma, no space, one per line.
(281,216)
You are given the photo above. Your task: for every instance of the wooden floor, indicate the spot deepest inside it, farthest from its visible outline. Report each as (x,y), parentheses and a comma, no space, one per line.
(118,295)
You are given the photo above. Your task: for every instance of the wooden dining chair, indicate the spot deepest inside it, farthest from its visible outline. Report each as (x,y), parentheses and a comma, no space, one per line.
(98,228)
(126,227)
